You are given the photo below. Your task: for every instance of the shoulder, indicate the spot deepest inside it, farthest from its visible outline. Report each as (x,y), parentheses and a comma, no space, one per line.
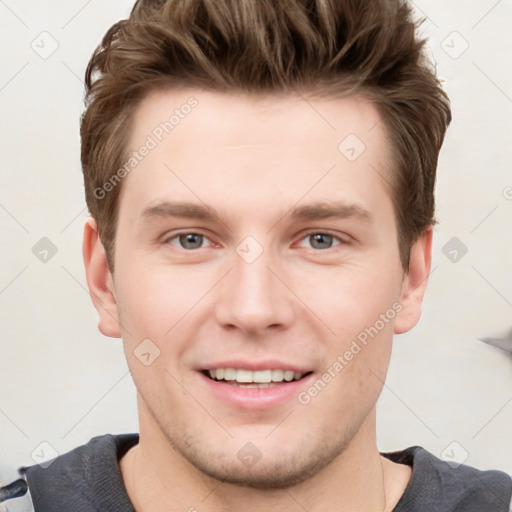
(438,485)
(98,451)
(78,476)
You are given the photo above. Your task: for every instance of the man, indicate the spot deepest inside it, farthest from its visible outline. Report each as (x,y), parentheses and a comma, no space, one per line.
(260,180)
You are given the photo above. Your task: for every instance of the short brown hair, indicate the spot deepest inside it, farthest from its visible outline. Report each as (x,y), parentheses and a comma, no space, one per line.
(325,47)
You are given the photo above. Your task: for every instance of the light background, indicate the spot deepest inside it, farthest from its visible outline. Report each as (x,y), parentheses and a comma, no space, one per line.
(62,382)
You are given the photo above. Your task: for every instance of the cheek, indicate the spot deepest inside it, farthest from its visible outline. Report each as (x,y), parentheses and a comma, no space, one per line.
(354,299)
(360,306)
(158,310)
(154,300)
(354,374)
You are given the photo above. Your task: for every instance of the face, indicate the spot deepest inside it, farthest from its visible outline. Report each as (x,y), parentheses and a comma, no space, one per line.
(256,241)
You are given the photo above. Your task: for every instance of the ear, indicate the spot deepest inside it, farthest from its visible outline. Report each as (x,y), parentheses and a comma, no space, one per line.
(415,283)
(100,281)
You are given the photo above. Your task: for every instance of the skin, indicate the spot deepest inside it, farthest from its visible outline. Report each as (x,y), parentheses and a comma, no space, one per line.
(254,159)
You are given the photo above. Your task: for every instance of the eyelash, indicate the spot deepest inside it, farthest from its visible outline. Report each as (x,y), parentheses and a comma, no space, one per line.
(304,236)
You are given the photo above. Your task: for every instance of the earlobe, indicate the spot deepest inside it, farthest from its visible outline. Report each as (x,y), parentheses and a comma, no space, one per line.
(100,281)
(415,283)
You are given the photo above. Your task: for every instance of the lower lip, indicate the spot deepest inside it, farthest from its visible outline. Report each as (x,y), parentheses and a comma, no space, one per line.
(256,398)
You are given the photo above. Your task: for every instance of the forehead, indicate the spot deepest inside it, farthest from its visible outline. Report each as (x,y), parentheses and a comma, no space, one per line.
(250,118)
(199,144)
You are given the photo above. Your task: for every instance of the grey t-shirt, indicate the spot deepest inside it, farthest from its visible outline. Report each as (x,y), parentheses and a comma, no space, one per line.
(88,479)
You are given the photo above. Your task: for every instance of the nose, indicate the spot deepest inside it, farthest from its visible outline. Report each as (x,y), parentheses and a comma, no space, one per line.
(254,297)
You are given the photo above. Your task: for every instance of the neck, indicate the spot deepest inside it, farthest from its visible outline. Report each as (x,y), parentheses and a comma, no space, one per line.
(359,479)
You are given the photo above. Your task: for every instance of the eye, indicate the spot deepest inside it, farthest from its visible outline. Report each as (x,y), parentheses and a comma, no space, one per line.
(187,240)
(321,240)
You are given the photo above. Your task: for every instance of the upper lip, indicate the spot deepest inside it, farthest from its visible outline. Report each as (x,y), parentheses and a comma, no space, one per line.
(270,364)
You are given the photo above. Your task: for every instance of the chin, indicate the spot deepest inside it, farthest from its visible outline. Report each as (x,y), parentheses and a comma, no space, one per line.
(264,474)
(275,466)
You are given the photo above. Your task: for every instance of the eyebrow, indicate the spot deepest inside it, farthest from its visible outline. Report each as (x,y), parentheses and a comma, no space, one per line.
(315,211)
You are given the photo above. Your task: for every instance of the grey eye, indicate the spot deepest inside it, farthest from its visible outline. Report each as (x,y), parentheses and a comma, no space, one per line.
(321,240)
(191,240)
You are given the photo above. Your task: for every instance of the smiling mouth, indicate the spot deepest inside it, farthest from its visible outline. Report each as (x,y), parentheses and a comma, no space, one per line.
(254,379)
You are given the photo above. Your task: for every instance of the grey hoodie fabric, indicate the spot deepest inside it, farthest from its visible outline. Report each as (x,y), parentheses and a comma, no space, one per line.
(87,479)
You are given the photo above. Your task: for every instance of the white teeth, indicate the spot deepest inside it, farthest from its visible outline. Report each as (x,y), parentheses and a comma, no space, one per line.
(262,376)
(249,377)
(243,376)
(288,375)
(277,375)
(229,374)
